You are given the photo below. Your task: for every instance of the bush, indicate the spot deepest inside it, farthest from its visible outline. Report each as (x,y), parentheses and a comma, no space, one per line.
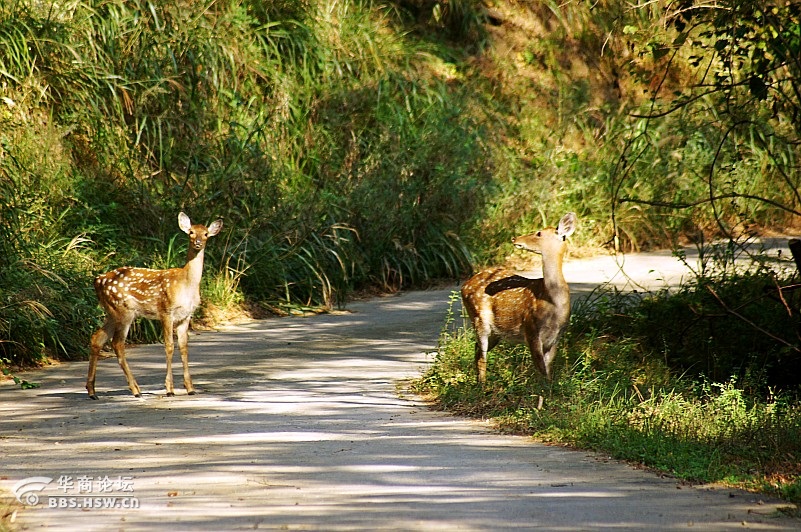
(723,323)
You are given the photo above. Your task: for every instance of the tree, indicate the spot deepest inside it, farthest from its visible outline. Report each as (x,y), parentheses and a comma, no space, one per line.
(735,128)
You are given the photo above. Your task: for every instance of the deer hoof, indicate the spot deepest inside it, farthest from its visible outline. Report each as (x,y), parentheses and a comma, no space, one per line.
(93,396)
(170,394)
(193,392)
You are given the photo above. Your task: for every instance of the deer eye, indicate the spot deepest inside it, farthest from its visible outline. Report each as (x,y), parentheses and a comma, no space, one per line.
(539,233)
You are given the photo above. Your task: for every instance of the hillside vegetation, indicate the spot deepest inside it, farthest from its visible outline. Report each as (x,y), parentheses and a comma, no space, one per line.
(363,145)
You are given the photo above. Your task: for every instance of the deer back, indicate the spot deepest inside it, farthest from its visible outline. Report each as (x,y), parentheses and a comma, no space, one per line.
(504,301)
(146,292)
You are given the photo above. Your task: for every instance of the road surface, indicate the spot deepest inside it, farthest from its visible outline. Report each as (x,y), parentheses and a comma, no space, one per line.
(300,424)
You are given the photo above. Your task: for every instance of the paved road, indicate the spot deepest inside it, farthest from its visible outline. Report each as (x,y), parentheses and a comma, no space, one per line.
(299,425)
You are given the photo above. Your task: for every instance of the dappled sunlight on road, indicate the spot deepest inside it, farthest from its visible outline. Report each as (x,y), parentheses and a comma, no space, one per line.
(298,425)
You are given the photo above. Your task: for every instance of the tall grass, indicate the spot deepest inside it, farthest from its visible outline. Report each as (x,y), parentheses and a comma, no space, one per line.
(334,145)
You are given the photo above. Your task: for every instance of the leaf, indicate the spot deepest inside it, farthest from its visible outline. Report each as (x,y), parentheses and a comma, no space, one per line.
(758,87)
(437,13)
(680,39)
(659,52)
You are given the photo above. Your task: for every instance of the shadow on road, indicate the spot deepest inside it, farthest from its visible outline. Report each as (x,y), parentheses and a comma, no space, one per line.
(299,425)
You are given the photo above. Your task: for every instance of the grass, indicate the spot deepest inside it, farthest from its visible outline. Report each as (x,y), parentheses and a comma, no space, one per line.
(612,394)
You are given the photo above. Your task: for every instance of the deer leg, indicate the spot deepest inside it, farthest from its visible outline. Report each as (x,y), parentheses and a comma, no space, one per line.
(538,357)
(547,361)
(484,343)
(169,349)
(99,339)
(183,345)
(481,361)
(118,343)
(482,340)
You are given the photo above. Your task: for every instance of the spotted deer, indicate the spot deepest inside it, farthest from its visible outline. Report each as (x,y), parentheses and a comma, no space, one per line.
(504,305)
(170,296)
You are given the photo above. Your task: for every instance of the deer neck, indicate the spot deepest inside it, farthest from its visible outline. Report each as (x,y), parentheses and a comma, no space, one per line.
(554,280)
(193,269)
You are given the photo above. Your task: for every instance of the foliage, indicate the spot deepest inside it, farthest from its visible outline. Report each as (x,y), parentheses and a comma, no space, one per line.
(334,145)
(755,50)
(364,144)
(713,327)
(22,383)
(605,109)
(729,138)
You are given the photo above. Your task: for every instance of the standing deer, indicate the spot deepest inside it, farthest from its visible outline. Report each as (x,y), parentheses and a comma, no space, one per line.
(166,295)
(502,304)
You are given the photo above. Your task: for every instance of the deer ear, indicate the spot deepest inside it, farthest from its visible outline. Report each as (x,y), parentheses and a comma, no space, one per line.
(184,223)
(567,225)
(215,227)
